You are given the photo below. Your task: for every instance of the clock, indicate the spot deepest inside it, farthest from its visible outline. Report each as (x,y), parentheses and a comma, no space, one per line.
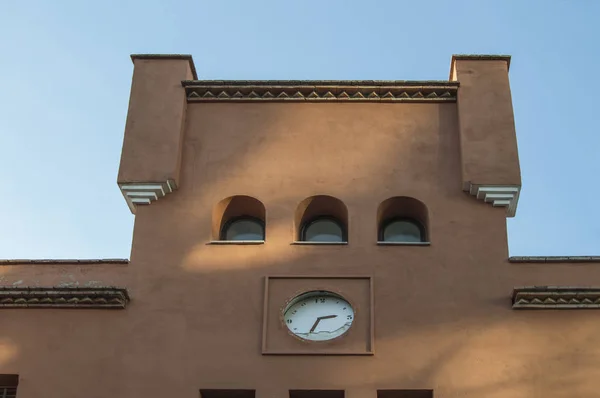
(318,316)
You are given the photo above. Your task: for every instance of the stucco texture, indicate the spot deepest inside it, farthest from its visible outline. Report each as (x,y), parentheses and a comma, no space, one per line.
(442,313)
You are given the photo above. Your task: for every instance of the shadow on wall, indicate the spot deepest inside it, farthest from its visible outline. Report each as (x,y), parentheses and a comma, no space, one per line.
(329,211)
(404,214)
(438,328)
(236,208)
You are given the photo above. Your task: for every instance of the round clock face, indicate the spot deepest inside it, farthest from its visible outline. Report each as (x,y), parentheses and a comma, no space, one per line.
(318,316)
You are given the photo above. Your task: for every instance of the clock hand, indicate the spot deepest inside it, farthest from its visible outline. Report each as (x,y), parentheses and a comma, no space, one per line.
(328,317)
(315,325)
(319,320)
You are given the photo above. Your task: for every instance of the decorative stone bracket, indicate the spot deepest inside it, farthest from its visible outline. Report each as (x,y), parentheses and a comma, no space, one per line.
(55,297)
(498,195)
(144,193)
(555,297)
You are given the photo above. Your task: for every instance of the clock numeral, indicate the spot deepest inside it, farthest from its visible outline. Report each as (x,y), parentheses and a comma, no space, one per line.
(293,312)
(344,308)
(289,321)
(322,300)
(349,317)
(302,305)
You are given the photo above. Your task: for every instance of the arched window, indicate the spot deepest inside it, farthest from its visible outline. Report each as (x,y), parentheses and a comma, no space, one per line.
(402,230)
(402,220)
(323,229)
(321,219)
(239,219)
(243,228)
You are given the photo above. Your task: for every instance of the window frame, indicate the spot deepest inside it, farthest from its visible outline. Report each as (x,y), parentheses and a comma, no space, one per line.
(8,391)
(233,220)
(9,384)
(388,222)
(313,220)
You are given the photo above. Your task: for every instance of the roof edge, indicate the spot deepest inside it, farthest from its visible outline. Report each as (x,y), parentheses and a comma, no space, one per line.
(554,259)
(187,57)
(294,83)
(478,57)
(118,261)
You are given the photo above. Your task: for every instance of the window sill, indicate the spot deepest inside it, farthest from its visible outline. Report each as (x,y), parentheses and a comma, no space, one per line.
(383,243)
(236,242)
(304,243)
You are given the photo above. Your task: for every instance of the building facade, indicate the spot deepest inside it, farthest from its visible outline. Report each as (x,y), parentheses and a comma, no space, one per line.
(309,239)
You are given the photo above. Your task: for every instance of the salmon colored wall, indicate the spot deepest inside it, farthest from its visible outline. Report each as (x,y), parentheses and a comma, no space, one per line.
(486,123)
(442,313)
(155,120)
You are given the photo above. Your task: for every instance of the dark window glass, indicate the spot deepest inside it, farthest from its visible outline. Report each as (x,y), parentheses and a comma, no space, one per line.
(244,229)
(323,230)
(8,385)
(403,231)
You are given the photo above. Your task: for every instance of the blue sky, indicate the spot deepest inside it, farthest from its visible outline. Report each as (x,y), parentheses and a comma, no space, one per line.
(65,75)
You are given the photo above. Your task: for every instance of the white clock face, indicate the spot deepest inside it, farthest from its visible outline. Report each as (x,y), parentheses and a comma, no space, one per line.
(318,316)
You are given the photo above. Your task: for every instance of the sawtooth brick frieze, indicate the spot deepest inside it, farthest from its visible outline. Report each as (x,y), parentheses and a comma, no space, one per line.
(321,91)
(556,297)
(59,297)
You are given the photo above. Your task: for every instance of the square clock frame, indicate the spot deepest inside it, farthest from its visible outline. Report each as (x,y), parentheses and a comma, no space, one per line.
(283,291)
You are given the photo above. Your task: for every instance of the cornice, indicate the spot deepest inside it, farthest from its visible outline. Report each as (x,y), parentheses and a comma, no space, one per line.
(482,57)
(478,57)
(554,259)
(55,297)
(498,196)
(103,261)
(186,57)
(144,193)
(555,297)
(320,90)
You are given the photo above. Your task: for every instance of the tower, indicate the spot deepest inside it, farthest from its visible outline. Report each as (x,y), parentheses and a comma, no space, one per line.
(308,239)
